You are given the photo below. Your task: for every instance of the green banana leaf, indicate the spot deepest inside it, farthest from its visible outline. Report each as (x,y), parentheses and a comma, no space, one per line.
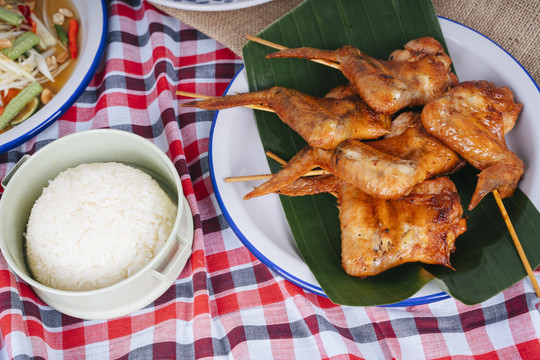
(485,261)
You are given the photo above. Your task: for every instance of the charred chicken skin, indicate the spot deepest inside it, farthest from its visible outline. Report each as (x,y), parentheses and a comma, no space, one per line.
(322,122)
(386,168)
(410,77)
(472,119)
(378,234)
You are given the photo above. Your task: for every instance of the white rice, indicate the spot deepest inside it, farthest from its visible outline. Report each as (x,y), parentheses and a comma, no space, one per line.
(97,224)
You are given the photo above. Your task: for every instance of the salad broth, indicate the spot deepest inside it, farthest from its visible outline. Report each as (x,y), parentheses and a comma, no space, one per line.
(45,10)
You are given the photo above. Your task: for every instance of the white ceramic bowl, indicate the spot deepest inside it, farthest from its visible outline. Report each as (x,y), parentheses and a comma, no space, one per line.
(24,184)
(93,38)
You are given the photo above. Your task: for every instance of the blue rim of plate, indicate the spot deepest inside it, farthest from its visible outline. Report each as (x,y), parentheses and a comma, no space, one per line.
(413,301)
(71,100)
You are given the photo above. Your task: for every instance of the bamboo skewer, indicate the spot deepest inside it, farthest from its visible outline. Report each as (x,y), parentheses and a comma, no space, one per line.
(266,42)
(517,243)
(267,176)
(232,179)
(193,95)
(281,47)
(207,97)
(273,156)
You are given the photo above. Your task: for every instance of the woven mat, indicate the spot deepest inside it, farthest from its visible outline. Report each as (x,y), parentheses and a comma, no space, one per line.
(514,25)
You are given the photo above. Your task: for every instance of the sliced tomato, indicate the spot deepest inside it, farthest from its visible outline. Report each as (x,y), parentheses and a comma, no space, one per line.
(6,97)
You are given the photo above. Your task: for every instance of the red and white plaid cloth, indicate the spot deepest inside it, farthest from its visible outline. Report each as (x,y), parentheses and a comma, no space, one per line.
(226,303)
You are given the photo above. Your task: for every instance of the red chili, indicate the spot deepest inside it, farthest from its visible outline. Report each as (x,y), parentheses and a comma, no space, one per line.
(72,36)
(27,13)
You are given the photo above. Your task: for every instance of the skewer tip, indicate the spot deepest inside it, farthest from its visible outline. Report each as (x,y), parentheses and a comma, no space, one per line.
(517,243)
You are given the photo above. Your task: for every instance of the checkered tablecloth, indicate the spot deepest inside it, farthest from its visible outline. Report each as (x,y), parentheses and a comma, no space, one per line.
(227,304)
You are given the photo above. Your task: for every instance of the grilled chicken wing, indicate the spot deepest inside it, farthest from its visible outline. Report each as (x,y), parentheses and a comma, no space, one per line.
(377,234)
(411,77)
(386,168)
(472,119)
(310,185)
(322,122)
(342,92)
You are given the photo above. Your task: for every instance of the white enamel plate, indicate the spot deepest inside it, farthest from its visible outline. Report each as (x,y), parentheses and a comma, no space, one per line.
(236,149)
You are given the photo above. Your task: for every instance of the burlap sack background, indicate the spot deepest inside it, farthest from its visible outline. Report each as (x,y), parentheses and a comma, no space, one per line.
(513,24)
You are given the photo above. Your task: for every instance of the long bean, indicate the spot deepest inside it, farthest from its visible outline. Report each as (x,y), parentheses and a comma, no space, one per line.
(19,102)
(10,17)
(22,44)
(62,35)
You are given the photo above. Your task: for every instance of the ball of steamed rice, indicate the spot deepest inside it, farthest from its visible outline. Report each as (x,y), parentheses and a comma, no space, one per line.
(97,224)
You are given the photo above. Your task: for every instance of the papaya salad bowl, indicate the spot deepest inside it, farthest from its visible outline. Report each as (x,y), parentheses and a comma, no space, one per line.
(49,52)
